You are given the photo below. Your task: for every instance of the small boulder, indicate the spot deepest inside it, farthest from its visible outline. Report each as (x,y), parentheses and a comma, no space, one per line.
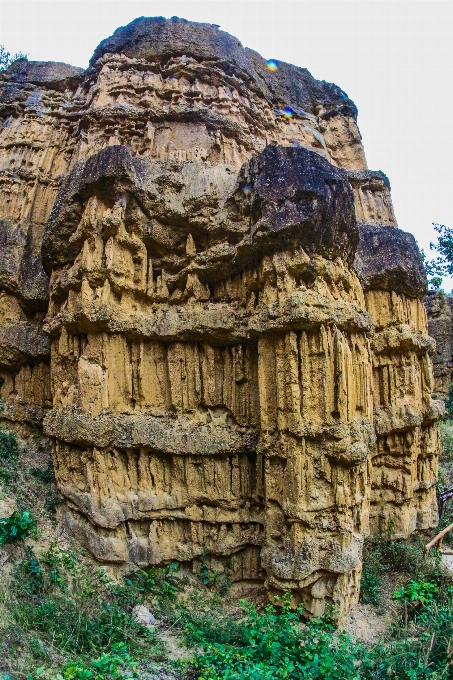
(142,615)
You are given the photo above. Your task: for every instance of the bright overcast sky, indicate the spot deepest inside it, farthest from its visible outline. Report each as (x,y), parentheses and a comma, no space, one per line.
(393,58)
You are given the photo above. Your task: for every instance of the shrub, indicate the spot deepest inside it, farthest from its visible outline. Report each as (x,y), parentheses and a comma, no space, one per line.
(421,591)
(8,446)
(160,582)
(267,645)
(9,456)
(117,664)
(16,527)
(78,609)
(370,584)
(58,608)
(420,646)
(6,58)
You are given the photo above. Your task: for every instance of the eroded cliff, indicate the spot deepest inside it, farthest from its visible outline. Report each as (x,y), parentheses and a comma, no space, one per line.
(439,309)
(234,363)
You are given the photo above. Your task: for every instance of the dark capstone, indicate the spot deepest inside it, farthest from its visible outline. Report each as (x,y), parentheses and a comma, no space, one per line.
(160,39)
(52,74)
(107,172)
(21,270)
(284,197)
(294,196)
(389,259)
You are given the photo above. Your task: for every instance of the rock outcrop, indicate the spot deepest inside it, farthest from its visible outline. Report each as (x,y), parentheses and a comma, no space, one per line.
(35,151)
(439,308)
(234,364)
(404,460)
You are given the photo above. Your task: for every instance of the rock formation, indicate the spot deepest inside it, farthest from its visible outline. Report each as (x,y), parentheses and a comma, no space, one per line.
(234,363)
(439,308)
(405,414)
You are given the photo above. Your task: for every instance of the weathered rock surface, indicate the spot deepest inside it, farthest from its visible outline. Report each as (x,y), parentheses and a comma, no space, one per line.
(439,308)
(239,362)
(389,259)
(391,271)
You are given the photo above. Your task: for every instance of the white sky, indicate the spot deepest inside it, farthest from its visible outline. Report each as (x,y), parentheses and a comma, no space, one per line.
(393,58)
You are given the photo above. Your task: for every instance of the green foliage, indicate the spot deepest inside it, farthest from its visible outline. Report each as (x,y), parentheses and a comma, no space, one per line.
(79,625)
(9,456)
(8,446)
(207,578)
(420,645)
(442,265)
(116,664)
(78,609)
(266,645)
(55,602)
(420,591)
(370,585)
(449,406)
(46,475)
(213,578)
(6,58)
(160,582)
(435,281)
(260,645)
(417,649)
(385,555)
(16,527)
(17,477)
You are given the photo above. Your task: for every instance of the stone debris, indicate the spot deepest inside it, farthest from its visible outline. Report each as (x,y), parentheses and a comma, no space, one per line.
(142,614)
(206,303)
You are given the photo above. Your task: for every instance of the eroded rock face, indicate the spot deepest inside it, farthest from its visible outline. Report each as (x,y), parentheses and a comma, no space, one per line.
(439,308)
(35,149)
(239,353)
(406,411)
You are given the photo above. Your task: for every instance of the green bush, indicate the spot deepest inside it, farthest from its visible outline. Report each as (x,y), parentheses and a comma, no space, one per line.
(416,650)
(6,59)
(78,609)
(421,591)
(72,613)
(382,555)
(8,446)
(266,645)
(370,585)
(160,582)
(419,646)
(117,664)
(16,527)
(58,607)
(9,456)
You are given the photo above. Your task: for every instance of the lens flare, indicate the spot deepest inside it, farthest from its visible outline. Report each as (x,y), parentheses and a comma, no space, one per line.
(288,112)
(272,64)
